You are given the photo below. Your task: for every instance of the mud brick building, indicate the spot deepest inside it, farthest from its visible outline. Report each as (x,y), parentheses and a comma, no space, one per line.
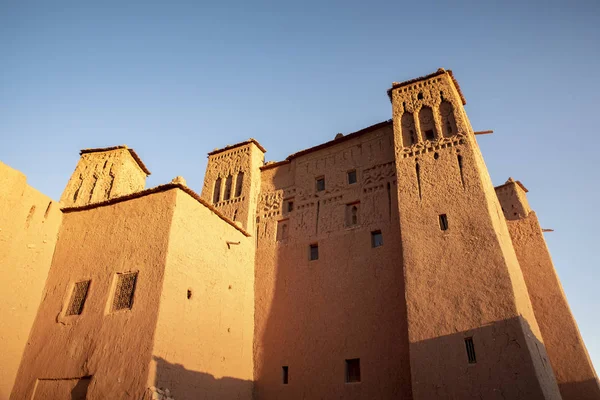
(380,265)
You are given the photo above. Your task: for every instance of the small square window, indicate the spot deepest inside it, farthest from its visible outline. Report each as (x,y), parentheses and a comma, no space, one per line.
(285,376)
(320,184)
(352,211)
(429,135)
(124,291)
(376,239)
(351,177)
(353,370)
(314,252)
(443,222)
(80,292)
(288,205)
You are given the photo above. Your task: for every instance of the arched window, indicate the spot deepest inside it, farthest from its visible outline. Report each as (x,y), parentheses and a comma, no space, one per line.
(284,230)
(409,136)
(352,214)
(427,124)
(228,182)
(448,121)
(238,184)
(217,191)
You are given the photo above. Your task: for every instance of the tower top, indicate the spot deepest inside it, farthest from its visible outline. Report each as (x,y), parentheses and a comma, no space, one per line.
(232,146)
(137,158)
(440,71)
(511,180)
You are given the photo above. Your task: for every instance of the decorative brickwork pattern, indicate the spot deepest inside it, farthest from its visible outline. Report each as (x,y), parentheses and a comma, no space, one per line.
(124,291)
(78,298)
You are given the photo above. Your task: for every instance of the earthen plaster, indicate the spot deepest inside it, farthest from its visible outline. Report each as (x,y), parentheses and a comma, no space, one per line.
(112,346)
(388,246)
(206,314)
(29,223)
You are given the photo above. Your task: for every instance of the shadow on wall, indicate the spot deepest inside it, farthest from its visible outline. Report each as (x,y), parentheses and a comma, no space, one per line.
(185,384)
(575,390)
(79,392)
(315,310)
(495,360)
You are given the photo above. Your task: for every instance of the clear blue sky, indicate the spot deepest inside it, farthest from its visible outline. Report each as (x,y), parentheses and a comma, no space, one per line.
(176,79)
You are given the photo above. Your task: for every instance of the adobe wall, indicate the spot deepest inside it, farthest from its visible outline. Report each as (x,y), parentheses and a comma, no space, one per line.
(513,200)
(225,169)
(103,175)
(113,347)
(463,282)
(203,344)
(29,223)
(569,358)
(313,315)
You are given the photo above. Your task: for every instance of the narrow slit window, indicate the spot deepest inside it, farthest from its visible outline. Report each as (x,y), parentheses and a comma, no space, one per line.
(285,374)
(320,182)
(217,191)
(239,183)
(314,252)
(124,291)
(443,222)
(418,170)
(228,183)
(80,292)
(376,239)
(352,177)
(353,370)
(290,206)
(470,350)
(460,167)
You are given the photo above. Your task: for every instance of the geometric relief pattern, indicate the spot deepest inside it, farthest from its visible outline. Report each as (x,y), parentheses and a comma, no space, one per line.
(80,292)
(124,291)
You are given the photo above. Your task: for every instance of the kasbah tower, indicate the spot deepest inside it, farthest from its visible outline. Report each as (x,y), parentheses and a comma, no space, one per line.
(380,265)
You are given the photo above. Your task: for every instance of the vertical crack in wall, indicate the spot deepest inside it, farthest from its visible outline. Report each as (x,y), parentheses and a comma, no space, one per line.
(419,180)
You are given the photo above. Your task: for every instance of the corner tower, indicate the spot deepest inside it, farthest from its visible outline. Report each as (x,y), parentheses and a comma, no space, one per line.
(574,371)
(103,174)
(232,181)
(472,330)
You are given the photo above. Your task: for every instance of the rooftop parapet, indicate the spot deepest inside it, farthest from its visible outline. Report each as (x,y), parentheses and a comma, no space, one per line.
(104,173)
